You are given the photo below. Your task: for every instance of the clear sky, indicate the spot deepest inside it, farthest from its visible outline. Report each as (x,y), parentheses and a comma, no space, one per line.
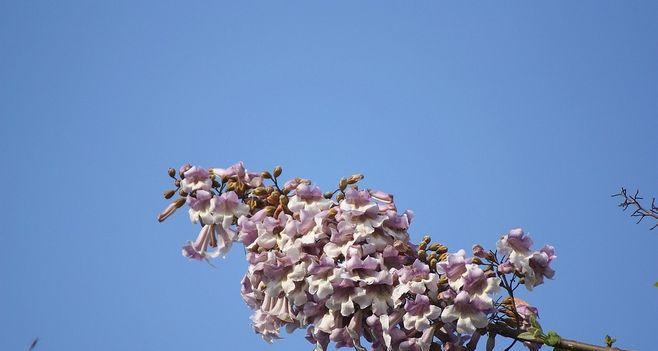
(479,117)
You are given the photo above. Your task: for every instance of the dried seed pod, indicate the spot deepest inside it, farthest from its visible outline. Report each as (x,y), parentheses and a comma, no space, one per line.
(169,193)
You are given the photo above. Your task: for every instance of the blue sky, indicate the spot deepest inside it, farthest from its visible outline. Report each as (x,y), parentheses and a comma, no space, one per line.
(479,117)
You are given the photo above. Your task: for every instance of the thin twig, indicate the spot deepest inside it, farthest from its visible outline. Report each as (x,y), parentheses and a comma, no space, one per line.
(633,201)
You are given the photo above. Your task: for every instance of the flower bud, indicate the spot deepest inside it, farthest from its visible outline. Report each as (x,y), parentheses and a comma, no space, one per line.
(340,197)
(342,184)
(283,200)
(266,175)
(328,195)
(443,257)
(182,193)
(422,255)
(422,245)
(354,178)
(260,191)
(433,262)
(169,193)
(434,247)
(171,172)
(170,209)
(177,183)
(427,239)
(270,210)
(476,260)
(277,171)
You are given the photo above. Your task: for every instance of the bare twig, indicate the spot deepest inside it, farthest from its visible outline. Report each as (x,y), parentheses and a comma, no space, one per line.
(639,210)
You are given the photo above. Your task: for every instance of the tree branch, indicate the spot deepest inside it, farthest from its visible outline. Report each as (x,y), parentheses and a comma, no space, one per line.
(639,210)
(564,344)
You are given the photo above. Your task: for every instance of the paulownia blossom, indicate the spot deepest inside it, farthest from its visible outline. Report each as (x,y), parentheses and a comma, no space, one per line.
(341,266)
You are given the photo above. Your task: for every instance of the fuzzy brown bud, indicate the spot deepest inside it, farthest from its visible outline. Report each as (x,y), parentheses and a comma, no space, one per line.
(354,178)
(427,239)
(434,247)
(433,262)
(182,193)
(260,191)
(422,255)
(328,195)
(283,200)
(340,197)
(266,175)
(169,193)
(171,172)
(277,171)
(270,210)
(342,184)
(443,257)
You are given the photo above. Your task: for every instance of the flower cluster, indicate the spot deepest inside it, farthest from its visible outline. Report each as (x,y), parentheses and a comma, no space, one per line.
(341,265)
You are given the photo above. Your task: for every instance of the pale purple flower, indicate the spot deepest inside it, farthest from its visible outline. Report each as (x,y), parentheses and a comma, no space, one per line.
(469,312)
(308,197)
(453,267)
(420,313)
(196,178)
(416,279)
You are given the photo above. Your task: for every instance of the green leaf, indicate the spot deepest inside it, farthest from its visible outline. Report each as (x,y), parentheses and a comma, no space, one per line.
(552,339)
(534,323)
(609,340)
(526,336)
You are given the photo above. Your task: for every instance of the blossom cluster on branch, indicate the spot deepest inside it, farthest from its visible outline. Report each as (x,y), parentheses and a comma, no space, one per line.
(340,264)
